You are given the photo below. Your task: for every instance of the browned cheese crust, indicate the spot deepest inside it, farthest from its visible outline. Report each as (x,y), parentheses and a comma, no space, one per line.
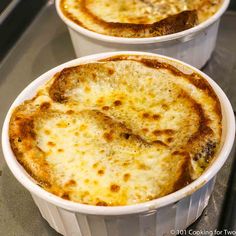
(86,14)
(191,146)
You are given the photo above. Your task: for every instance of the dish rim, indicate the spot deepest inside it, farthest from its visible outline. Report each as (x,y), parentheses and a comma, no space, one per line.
(23,177)
(122,40)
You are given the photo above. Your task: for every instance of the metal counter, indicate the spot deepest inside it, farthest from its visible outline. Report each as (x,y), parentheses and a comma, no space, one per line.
(45,44)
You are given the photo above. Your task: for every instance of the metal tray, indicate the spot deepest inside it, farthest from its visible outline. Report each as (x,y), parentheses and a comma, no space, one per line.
(45,44)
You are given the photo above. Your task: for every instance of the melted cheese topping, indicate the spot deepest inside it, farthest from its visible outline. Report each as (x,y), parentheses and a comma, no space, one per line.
(99,171)
(135,11)
(117,132)
(92,14)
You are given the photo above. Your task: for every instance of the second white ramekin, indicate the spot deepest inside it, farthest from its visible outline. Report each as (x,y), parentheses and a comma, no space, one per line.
(193,46)
(163,216)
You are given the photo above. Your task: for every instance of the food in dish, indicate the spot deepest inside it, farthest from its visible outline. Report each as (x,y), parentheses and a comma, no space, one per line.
(138,18)
(118,131)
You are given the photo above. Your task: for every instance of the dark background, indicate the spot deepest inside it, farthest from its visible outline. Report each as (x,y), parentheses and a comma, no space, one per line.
(233,4)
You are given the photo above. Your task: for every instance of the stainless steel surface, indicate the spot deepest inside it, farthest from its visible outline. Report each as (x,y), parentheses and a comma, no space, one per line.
(45,44)
(7,10)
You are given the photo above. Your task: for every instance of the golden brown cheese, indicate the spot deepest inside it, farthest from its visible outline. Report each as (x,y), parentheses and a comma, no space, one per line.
(138,18)
(119,131)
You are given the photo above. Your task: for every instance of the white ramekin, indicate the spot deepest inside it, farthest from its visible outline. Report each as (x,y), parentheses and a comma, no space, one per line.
(193,46)
(162,216)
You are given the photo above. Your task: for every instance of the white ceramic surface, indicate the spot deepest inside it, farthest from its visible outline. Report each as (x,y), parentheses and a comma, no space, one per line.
(193,46)
(157,222)
(157,217)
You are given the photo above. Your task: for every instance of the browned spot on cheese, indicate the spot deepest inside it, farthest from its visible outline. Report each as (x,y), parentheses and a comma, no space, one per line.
(201,83)
(149,116)
(165,107)
(159,142)
(181,153)
(52,144)
(203,129)
(111,71)
(46,131)
(145,130)
(169,140)
(185,177)
(86,181)
(95,182)
(56,91)
(70,183)
(125,135)
(164,131)
(105,108)
(60,150)
(18,118)
(126,177)
(108,136)
(101,203)
(76,133)
(100,172)
(114,188)
(117,103)
(26,128)
(66,196)
(146,115)
(156,117)
(70,112)
(94,76)
(45,106)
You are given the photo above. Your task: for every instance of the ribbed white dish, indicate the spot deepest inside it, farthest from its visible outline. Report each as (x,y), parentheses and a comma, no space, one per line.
(158,217)
(193,46)
(157,222)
